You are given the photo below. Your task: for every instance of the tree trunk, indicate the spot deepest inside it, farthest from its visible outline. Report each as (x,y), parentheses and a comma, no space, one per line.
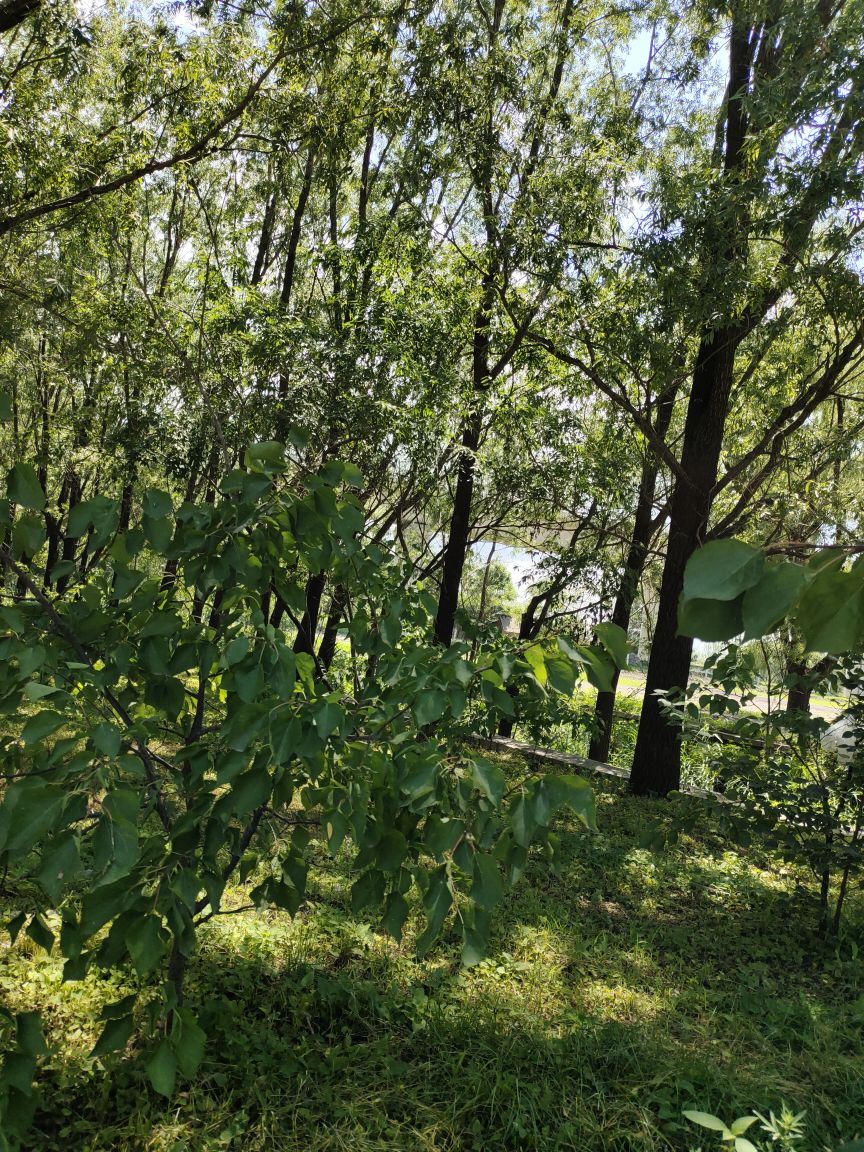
(637,553)
(460,520)
(657,759)
(327,647)
(305,639)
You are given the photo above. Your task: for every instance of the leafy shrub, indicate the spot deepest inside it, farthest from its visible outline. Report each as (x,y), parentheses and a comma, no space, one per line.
(161,729)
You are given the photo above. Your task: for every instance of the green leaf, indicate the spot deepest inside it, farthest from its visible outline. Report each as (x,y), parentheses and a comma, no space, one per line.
(770,601)
(711,619)
(367,890)
(158,533)
(146,941)
(28,1034)
(475,946)
(420,780)
(60,863)
(436,903)
(391,850)
(162,1069)
(489,779)
(576,793)
(830,612)
(30,808)
(488,887)
(41,725)
(742,1144)
(28,534)
(739,1127)
(395,914)
(328,718)
(101,513)
(390,629)
(156,503)
(251,790)
(536,657)
(114,1035)
(107,740)
(23,487)
(614,640)
(431,705)
(188,1040)
(267,457)
(705,1120)
(40,933)
(722,570)
(19,1068)
(118,1008)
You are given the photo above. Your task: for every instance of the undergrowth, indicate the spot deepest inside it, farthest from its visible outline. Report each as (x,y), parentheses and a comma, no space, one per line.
(618,994)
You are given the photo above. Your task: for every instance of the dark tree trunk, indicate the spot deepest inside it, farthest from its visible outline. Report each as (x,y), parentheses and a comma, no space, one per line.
(327,647)
(657,759)
(305,639)
(800,687)
(13,12)
(460,520)
(637,553)
(528,628)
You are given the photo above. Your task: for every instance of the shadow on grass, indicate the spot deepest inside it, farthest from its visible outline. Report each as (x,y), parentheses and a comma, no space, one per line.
(617,993)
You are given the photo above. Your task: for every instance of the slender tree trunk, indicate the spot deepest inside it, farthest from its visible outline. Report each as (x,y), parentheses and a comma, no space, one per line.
(528,627)
(657,759)
(637,554)
(460,520)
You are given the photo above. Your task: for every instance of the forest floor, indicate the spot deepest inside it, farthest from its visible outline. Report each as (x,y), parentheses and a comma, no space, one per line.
(619,992)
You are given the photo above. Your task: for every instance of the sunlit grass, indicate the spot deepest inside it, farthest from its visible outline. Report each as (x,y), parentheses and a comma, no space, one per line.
(617,993)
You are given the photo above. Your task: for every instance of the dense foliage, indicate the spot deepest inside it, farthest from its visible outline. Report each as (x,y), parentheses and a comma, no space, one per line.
(371,373)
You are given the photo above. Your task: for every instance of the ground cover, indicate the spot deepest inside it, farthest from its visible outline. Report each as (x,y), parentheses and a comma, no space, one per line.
(626,989)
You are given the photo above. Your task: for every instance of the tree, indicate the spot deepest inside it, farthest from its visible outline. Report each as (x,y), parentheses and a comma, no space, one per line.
(764,53)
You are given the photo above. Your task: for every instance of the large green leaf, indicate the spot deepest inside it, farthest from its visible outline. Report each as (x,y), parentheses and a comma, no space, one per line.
(711,619)
(146,940)
(431,705)
(722,570)
(576,793)
(23,487)
(488,887)
(614,640)
(41,725)
(31,807)
(188,1041)
(436,903)
(768,603)
(28,534)
(830,612)
(162,1069)
(114,1035)
(489,779)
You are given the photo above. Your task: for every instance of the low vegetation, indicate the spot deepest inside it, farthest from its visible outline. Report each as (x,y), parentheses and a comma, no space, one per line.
(628,988)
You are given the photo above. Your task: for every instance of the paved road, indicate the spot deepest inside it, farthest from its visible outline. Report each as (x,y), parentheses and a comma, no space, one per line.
(826,711)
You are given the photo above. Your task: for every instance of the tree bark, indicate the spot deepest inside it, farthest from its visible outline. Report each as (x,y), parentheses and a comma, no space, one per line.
(657,759)
(305,639)
(637,554)
(460,520)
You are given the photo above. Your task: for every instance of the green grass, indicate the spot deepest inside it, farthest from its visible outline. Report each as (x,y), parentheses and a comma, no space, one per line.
(625,989)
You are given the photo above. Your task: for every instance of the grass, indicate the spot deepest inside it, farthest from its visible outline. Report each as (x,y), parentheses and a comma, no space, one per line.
(618,993)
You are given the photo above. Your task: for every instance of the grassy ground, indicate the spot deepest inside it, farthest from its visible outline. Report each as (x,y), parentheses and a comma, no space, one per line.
(618,993)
